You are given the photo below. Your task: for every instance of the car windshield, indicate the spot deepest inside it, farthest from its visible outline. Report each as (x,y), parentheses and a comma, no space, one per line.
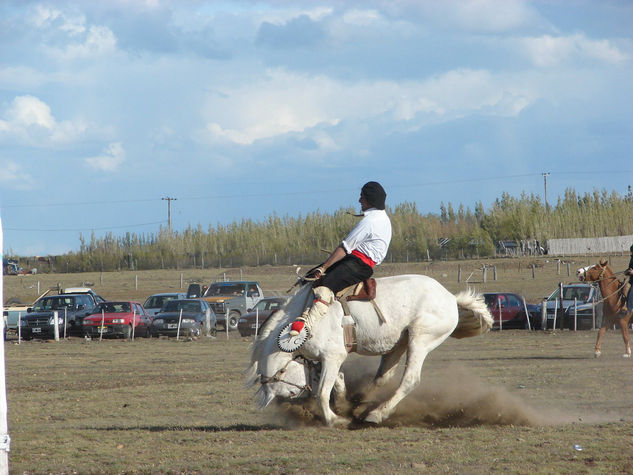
(157,301)
(267,305)
(492,299)
(224,290)
(571,293)
(113,307)
(54,303)
(184,305)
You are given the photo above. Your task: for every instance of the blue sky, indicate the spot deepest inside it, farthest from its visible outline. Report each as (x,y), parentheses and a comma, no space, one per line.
(243,109)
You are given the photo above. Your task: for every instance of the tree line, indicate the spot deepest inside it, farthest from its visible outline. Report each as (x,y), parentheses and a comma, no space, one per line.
(454,233)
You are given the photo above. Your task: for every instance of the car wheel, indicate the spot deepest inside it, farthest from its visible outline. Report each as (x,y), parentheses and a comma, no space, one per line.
(127,332)
(214,331)
(233,318)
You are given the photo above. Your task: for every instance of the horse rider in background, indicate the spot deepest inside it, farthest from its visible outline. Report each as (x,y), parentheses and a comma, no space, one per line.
(629,272)
(354,259)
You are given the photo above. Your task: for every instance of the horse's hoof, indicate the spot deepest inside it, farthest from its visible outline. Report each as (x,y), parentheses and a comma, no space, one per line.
(626,355)
(597,354)
(373,418)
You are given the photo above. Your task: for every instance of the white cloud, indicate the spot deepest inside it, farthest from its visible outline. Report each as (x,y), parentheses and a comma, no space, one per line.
(13,177)
(98,41)
(113,156)
(284,102)
(546,50)
(30,121)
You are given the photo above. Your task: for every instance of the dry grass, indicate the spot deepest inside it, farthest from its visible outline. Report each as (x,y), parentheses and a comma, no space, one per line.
(506,402)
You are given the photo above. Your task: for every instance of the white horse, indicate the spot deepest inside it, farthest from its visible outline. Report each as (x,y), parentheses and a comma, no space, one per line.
(419,314)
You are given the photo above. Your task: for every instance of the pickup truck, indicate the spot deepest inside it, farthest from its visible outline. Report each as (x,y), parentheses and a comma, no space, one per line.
(232,297)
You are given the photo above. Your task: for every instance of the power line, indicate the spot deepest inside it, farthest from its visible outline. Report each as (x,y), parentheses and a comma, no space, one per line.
(122,226)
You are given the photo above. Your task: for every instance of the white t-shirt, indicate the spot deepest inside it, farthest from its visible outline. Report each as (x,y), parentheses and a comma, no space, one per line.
(371,236)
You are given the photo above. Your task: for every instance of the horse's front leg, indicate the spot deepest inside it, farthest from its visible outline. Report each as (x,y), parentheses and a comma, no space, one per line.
(329,378)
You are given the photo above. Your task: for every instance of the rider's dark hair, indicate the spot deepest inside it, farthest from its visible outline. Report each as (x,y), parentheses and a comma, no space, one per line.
(375,194)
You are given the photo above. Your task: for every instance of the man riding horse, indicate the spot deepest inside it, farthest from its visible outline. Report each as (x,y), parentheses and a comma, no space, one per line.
(354,259)
(629,272)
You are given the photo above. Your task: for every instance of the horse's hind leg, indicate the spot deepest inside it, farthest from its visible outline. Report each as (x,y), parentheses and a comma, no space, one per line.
(624,326)
(419,348)
(386,370)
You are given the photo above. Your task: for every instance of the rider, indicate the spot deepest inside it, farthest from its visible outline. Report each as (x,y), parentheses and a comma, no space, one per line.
(354,259)
(629,271)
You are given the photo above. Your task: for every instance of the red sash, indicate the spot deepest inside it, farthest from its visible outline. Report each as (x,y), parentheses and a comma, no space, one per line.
(363,258)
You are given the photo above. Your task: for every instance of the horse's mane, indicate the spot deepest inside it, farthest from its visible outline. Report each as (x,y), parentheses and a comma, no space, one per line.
(291,309)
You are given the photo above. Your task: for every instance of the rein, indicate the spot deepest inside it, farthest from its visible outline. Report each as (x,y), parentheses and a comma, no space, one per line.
(277,377)
(611,277)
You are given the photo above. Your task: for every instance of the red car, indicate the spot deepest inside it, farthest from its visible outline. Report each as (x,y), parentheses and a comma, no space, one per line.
(510,307)
(118,319)
(255,318)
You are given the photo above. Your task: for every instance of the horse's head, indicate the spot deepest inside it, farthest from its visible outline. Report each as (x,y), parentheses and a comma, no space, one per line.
(279,374)
(592,273)
(283,378)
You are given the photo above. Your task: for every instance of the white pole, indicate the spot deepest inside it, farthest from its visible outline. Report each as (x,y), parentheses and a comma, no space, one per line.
(256,321)
(56,318)
(65,320)
(133,322)
(179,320)
(102,324)
(555,312)
(575,314)
(226,324)
(499,307)
(5,440)
(527,315)
(207,324)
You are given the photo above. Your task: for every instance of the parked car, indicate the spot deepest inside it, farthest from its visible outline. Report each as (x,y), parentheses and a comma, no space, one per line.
(192,314)
(585,295)
(510,307)
(71,309)
(232,297)
(255,318)
(83,290)
(117,319)
(155,302)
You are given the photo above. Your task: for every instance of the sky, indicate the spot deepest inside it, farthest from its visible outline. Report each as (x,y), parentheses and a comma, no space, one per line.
(248,109)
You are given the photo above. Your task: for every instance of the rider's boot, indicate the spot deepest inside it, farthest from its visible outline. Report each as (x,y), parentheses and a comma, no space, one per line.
(323,297)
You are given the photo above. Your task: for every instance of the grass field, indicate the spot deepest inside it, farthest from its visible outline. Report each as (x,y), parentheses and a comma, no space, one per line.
(506,402)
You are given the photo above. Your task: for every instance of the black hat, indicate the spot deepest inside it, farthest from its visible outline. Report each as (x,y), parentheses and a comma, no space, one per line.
(375,194)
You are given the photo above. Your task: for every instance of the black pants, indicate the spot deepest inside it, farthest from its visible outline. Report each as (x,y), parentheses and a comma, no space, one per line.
(348,271)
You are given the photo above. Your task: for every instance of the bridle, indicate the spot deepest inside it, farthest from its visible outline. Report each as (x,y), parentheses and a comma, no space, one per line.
(278,376)
(601,278)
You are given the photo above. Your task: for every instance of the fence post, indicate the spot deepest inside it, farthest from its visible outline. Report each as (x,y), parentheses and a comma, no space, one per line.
(181,280)
(256,321)
(226,323)
(544,314)
(558,267)
(575,314)
(136,282)
(208,321)
(568,270)
(459,274)
(494,272)
(484,274)
(56,324)
(527,315)
(533,273)
(500,313)
(178,330)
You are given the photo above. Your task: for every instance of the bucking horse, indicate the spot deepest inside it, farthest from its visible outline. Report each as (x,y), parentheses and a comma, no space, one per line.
(410,314)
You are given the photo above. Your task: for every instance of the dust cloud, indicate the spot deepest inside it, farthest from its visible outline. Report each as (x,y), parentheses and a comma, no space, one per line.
(453,399)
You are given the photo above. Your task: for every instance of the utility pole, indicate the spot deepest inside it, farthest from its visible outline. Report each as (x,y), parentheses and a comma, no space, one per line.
(169,200)
(545,175)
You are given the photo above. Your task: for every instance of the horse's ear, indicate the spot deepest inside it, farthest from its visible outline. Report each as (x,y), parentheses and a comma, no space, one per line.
(603,262)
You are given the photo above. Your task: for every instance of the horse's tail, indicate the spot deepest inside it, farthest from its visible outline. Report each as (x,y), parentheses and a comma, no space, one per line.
(474,316)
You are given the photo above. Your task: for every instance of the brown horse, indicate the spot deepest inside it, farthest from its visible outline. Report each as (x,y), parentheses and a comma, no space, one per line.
(614,300)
